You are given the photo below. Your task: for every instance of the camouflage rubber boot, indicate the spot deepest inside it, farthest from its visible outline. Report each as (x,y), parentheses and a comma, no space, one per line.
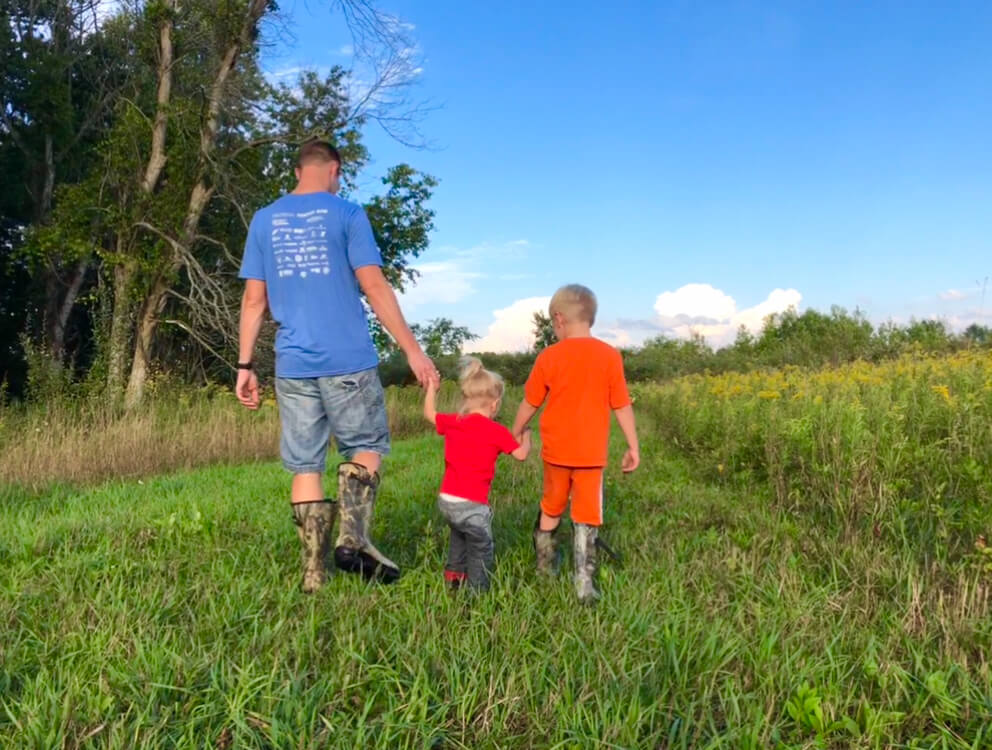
(585,563)
(315,524)
(354,551)
(546,548)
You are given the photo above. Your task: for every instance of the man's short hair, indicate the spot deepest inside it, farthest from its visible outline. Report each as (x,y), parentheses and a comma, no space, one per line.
(317,152)
(575,303)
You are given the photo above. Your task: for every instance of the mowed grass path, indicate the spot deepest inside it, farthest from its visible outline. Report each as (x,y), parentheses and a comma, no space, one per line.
(166,614)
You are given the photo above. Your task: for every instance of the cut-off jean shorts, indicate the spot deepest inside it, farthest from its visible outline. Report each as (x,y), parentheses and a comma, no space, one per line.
(351,408)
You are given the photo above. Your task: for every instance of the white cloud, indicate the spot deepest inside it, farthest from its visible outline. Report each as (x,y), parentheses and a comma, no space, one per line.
(702,309)
(444,282)
(287,72)
(694,309)
(512,329)
(952,295)
(780,300)
(695,302)
(452,278)
(345,50)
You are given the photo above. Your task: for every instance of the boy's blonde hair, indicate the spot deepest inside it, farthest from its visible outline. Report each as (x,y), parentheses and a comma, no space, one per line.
(479,385)
(575,303)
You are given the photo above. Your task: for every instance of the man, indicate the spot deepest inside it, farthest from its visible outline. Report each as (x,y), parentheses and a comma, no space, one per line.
(306,257)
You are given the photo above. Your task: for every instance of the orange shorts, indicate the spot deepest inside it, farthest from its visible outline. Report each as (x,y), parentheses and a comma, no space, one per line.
(585,486)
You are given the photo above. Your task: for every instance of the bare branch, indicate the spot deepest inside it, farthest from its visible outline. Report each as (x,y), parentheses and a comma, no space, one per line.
(389,66)
(199,339)
(172,242)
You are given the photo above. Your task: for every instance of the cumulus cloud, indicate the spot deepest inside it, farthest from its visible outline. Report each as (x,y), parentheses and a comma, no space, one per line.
(445,282)
(704,310)
(512,329)
(952,295)
(695,303)
(453,278)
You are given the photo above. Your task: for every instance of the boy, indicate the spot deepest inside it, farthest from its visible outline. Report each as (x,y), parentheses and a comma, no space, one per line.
(581,379)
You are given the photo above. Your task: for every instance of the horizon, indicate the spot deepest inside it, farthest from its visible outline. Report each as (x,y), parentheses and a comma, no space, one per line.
(697,167)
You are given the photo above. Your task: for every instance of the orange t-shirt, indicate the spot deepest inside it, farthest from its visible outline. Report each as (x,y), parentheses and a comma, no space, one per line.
(582,380)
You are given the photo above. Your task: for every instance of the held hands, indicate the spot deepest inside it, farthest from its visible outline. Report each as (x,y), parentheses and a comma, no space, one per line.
(423,369)
(247,389)
(631,460)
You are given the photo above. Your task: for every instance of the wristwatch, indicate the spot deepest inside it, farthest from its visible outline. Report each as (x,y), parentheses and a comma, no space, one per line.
(245,366)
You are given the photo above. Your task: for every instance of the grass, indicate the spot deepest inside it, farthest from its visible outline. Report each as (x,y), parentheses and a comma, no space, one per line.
(902,448)
(165,613)
(88,441)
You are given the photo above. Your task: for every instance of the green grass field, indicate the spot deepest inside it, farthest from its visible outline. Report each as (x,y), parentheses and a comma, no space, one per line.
(165,613)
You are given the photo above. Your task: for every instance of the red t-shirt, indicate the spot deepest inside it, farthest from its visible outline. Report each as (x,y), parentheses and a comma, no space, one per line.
(472,443)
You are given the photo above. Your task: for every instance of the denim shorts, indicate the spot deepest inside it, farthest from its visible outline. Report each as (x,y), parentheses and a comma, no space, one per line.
(350,408)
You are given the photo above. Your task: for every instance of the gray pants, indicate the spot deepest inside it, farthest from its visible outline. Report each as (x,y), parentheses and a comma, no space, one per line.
(471,547)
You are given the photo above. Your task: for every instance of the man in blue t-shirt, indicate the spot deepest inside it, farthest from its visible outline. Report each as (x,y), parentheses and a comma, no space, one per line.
(308,257)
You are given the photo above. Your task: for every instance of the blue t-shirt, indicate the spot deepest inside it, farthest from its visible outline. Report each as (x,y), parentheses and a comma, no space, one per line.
(306,249)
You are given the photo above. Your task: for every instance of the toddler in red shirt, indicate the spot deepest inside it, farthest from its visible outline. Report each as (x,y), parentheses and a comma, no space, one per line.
(472,444)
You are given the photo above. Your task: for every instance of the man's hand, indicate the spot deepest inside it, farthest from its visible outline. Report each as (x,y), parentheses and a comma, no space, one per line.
(631,460)
(423,369)
(247,389)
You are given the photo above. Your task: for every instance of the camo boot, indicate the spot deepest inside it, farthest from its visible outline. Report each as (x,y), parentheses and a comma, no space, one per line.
(546,548)
(586,566)
(354,551)
(314,523)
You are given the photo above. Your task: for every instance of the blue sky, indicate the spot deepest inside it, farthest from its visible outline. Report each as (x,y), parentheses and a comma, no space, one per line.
(698,164)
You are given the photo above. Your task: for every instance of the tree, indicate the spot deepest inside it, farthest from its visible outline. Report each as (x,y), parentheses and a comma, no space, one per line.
(544,333)
(59,75)
(197,141)
(440,337)
(978,335)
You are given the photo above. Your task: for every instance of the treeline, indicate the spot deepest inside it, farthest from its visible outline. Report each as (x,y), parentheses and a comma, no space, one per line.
(136,141)
(810,339)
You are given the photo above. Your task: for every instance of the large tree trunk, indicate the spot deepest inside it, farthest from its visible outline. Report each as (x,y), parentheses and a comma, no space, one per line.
(120,330)
(148,319)
(200,194)
(144,338)
(65,308)
(156,160)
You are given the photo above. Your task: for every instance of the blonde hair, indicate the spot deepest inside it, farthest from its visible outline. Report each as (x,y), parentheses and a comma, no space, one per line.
(479,385)
(575,303)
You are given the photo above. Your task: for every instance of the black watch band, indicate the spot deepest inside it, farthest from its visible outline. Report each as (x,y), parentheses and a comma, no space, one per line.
(245,366)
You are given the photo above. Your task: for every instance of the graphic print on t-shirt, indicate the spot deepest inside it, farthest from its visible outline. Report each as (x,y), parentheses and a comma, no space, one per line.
(299,243)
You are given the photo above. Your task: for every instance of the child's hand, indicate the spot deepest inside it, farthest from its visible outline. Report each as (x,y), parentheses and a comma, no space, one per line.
(631,460)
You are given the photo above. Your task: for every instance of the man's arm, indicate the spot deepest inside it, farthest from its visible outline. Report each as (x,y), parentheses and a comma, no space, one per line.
(632,458)
(383,301)
(254,303)
(525,413)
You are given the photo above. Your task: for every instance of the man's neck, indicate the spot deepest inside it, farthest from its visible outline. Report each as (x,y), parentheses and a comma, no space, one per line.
(304,187)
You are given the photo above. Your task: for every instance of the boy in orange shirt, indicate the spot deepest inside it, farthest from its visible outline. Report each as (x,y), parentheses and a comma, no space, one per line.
(581,379)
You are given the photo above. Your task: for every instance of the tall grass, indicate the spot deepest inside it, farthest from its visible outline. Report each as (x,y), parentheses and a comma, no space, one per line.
(902,447)
(177,427)
(89,441)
